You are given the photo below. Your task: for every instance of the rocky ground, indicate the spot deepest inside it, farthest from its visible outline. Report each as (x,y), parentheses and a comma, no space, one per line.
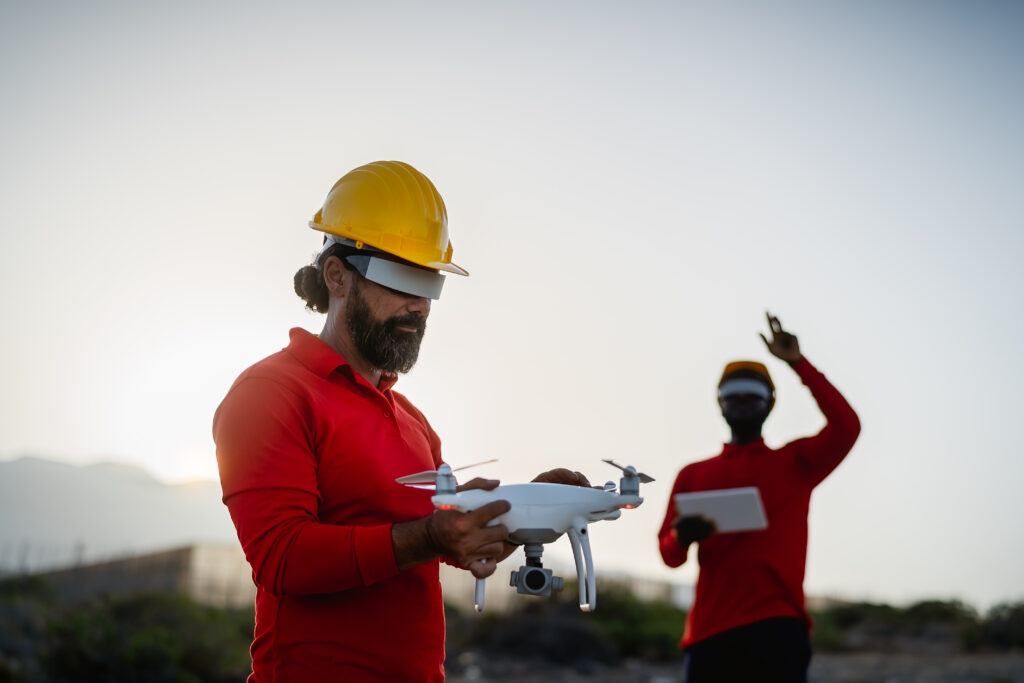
(825,668)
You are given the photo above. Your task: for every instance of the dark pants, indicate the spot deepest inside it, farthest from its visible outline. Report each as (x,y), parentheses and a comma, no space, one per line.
(773,650)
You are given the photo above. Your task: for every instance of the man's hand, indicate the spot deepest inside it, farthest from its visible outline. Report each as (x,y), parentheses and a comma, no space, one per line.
(466,537)
(561,475)
(783,344)
(692,529)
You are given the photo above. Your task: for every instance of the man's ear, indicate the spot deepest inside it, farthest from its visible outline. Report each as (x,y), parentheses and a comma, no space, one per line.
(336,276)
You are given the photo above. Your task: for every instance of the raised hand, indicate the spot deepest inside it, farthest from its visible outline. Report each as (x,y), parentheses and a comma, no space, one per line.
(783,345)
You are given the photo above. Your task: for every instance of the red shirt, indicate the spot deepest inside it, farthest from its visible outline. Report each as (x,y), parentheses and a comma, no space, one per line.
(308,452)
(754,575)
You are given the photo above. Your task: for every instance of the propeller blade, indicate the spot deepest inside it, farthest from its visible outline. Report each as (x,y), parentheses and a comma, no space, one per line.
(482,462)
(425,477)
(644,478)
(429,476)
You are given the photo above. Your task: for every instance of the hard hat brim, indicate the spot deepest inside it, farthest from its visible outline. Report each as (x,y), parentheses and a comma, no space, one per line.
(437,265)
(447,267)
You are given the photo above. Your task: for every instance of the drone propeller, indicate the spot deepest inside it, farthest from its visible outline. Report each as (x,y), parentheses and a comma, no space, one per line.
(430,476)
(644,478)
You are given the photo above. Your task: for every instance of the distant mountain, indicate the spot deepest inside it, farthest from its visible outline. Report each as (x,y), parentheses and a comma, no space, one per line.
(53,513)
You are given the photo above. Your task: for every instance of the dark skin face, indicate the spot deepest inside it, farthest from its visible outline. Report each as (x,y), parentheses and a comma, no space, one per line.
(745,414)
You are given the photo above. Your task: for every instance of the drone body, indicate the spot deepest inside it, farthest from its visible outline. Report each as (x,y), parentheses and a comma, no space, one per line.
(540,513)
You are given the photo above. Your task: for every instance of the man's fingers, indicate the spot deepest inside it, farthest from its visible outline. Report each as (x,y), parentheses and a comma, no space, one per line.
(562,475)
(492,536)
(479,483)
(481,569)
(491,552)
(486,513)
(765,339)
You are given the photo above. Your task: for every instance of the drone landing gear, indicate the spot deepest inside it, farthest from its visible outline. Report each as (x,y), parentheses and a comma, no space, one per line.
(581,546)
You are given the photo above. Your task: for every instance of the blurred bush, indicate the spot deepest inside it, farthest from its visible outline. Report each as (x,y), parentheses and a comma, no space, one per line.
(555,630)
(150,638)
(1004,627)
(929,625)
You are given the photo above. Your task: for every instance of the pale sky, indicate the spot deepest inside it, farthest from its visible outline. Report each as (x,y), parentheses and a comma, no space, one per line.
(630,185)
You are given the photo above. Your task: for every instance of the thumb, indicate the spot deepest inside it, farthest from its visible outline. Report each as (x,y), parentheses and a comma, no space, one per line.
(764,339)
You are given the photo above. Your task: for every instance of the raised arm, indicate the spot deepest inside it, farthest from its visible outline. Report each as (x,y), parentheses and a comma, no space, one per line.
(821,453)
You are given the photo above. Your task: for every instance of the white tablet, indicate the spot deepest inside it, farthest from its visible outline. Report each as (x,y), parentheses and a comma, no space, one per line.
(730,509)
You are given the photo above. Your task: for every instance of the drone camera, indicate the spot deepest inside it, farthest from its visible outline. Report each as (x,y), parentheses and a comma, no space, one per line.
(536,581)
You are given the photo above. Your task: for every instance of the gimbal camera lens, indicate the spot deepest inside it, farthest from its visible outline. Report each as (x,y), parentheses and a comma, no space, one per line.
(535,581)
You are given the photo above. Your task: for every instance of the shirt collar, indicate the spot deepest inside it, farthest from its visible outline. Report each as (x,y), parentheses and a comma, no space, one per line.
(321,358)
(732,449)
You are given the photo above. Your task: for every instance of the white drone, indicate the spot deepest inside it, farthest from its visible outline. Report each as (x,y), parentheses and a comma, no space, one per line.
(540,514)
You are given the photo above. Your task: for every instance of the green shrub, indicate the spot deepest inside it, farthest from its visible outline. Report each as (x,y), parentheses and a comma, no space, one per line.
(1004,626)
(148,638)
(554,629)
(648,629)
(936,611)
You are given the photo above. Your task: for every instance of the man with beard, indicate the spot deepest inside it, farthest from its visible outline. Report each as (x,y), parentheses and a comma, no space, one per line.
(311,439)
(748,621)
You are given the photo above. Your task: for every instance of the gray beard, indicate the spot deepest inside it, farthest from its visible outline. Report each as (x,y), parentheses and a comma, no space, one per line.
(380,342)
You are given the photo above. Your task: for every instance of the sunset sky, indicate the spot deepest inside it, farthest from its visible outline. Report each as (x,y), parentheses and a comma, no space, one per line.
(630,185)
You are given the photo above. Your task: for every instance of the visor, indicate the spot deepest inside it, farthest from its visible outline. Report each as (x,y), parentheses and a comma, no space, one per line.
(743,385)
(395,275)
(382,268)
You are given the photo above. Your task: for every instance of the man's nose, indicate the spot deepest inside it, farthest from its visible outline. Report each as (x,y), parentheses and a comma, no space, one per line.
(418,304)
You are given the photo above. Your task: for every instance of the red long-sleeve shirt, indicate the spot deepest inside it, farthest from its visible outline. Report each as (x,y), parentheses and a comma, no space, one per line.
(308,453)
(749,576)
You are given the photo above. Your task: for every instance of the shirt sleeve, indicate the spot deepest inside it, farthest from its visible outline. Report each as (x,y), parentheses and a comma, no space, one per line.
(818,455)
(673,554)
(268,476)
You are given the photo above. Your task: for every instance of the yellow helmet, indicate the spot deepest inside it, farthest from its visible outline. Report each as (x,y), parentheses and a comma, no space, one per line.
(393,207)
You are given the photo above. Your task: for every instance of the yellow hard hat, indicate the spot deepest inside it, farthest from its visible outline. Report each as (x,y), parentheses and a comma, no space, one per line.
(750,366)
(393,207)
(736,379)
